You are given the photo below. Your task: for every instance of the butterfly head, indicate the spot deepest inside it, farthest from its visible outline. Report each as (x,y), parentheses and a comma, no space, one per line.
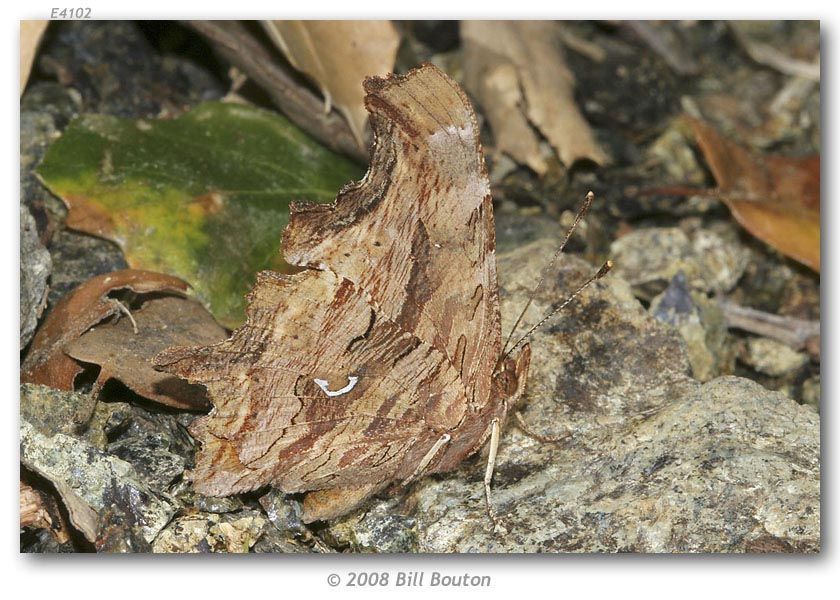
(510,376)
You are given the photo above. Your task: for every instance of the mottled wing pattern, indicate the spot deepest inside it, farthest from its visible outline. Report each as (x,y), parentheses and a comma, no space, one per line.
(417,234)
(397,310)
(273,422)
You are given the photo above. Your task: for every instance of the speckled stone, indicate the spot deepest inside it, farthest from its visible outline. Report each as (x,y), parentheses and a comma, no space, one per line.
(233,533)
(655,461)
(93,484)
(648,258)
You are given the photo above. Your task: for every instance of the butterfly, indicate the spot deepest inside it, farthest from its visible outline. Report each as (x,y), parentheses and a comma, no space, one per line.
(381,361)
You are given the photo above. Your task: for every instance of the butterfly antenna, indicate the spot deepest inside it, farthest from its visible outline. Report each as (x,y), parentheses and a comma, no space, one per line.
(605,268)
(587,202)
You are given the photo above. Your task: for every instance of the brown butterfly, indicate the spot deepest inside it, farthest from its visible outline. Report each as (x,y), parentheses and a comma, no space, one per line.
(382,360)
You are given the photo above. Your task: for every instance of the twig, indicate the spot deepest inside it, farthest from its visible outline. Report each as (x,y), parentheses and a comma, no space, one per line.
(124,310)
(302,106)
(664,44)
(768,56)
(582,46)
(796,333)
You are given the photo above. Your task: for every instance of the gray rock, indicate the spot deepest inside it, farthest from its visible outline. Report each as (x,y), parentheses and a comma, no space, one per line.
(53,99)
(154,443)
(53,411)
(39,127)
(673,150)
(93,485)
(811,392)
(701,324)
(117,71)
(37,130)
(273,541)
(210,532)
(723,468)
(151,457)
(650,257)
(655,461)
(77,257)
(218,505)
(381,529)
(35,268)
(284,512)
(772,358)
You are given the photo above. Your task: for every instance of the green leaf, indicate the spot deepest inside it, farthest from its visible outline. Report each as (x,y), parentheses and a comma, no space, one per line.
(204,196)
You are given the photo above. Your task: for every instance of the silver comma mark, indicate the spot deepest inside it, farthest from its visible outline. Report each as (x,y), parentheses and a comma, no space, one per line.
(324,385)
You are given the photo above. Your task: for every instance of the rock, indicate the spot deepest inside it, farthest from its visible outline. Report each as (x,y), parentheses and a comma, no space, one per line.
(119,533)
(673,150)
(701,324)
(53,411)
(53,99)
(603,354)
(37,130)
(655,461)
(218,505)
(285,512)
(155,444)
(208,532)
(151,457)
(93,485)
(118,72)
(648,258)
(77,257)
(772,358)
(45,109)
(723,468)
(35,268)
(811,392)
(381,529)
(273,541)
(41,541)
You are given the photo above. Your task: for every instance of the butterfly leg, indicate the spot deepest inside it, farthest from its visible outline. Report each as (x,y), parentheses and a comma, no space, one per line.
(430,455)
(546,439)
(488,474)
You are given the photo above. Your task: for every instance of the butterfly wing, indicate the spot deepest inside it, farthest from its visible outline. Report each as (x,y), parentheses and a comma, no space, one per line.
(417,234)
(314,391)
(399,293)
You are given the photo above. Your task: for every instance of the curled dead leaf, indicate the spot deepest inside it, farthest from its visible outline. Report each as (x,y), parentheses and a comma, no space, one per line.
(89,304)
(31,33)
(338,55)
(517,72)
(775,198)
(126,355)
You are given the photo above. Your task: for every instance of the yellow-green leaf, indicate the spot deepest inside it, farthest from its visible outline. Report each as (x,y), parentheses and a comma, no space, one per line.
(204,196)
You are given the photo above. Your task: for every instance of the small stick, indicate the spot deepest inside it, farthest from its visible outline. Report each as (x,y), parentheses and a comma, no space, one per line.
(796,333)
(124,309)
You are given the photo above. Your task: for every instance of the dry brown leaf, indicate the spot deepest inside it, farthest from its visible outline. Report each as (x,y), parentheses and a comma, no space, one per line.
(517,72)
(338,55)
(127,356)
(40,510)
(775,198)
(81,309)
(31,33)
